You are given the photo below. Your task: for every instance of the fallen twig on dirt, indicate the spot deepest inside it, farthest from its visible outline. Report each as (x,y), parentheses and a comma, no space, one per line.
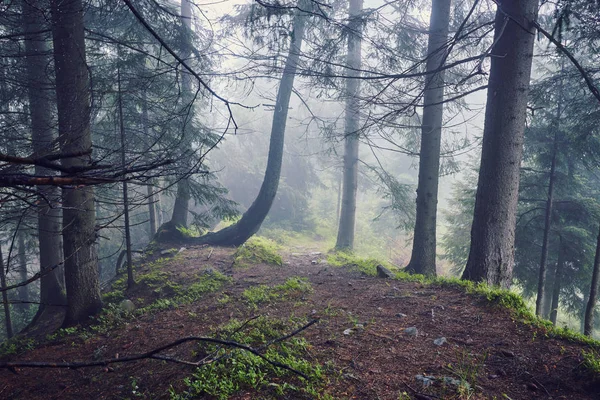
(153,354)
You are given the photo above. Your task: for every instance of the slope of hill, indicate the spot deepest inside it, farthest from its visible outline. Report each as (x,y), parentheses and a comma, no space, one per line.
(373,338)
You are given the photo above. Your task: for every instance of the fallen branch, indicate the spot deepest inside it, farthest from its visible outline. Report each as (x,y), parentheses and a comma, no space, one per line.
(153,354)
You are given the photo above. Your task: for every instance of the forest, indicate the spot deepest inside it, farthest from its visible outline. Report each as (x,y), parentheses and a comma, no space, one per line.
(236,199)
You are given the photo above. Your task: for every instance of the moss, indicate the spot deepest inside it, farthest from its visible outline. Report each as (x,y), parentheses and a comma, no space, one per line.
(291,288)
(257,250)
(113,297)
(367,266)
(240,370)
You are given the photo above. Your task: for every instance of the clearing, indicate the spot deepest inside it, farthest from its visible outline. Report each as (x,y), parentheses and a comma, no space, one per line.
(364,345)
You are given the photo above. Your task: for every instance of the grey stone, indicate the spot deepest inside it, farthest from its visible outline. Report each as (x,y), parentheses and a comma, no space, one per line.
(440,341)
(401,315)
(425,380)
(383,272)
(412,331)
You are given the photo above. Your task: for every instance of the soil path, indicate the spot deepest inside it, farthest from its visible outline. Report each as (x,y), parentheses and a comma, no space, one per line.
(362,333)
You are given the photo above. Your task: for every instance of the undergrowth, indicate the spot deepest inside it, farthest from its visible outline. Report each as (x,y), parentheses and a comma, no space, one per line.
(292,287)
(238,369)
(257,250)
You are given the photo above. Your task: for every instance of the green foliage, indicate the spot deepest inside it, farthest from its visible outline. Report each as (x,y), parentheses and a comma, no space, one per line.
(591,361)
(261,294)
(257,250)
(190,232)
(114,296)
(239,369)
(348,259)
(16,345)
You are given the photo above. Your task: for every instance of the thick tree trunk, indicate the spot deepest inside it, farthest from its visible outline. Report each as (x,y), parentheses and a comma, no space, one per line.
(424,244)
(6,305)
(345,236)
(179,218)
(491,256)
(588,324)
(73,102)
(557,283)
(252,219)
(39,92)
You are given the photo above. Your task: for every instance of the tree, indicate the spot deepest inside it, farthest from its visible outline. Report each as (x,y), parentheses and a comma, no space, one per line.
(252,219)
(491,256)
(424,243)
(588,324)
(345,236)
(73,104)
(41,108)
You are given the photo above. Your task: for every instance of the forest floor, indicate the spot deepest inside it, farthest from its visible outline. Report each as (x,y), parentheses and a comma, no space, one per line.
(362,347)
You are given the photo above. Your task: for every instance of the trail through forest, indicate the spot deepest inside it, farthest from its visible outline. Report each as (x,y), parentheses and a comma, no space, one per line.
(375,338)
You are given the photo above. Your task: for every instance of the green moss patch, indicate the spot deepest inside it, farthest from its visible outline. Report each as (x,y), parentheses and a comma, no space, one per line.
(257,250)
(239,370)
(292,288)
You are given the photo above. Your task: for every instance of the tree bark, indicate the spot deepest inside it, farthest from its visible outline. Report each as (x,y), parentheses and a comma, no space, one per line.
(73,103)
(252,219)
(588,325)
(557,283)
(130,281)
(345,236)
(491,256)
(6,305)
(424,244)
(41,104)
(23,291)
(179,218)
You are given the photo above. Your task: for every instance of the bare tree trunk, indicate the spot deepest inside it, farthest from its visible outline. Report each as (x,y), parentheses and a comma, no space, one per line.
(424,244)
(7,319)
(179,218)
(150,187)
(560,263)
(345,236)
(252,219)
(23,291)
(130,281)
(549,205)
(42,134)
(73,102)
(588,325)
(491,256)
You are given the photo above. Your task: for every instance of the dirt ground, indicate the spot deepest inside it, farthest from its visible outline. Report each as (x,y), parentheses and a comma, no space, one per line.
(501,357)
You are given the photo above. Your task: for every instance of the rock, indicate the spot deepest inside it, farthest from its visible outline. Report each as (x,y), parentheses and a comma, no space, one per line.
(314,262)
(169,252)
(440,341)
(316,253)
(425,380)
(412,331)
(490,377)
(208,271)
(348,332)
(359,326)
(383,272)
(508,353)
(127,305)
(401,315)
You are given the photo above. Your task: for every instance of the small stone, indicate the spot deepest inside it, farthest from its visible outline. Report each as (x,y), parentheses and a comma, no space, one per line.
(383,272)
(127,305)
(348,332)
(316,253)
(209,271)
(401,315)
(168,252)
(440,341)
(425,380)
(412,331)
(508,353)
(314,262)
(493,377)
(532,386)
(359,326)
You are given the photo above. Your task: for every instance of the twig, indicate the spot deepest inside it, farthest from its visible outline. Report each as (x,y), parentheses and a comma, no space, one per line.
(210,254)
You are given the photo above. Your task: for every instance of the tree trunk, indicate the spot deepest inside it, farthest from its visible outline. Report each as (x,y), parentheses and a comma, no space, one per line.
(179,218)
(38,52)
(7,319)
(588,325)
(548,213)
(345,236)
(152,217)
(557,283)
(73,102)
(424,244)
(252,219)
(23,291)
(130,281)
(491,256)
